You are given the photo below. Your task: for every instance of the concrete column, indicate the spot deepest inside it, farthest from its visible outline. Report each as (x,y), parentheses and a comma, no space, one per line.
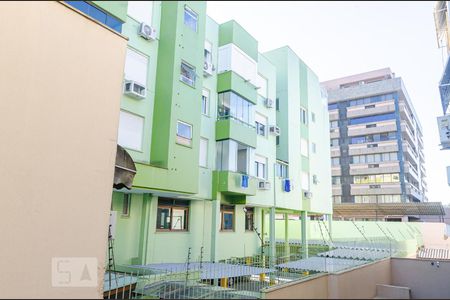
(145,218)
(287,250)
(304,223)
(215,227)
(272,251)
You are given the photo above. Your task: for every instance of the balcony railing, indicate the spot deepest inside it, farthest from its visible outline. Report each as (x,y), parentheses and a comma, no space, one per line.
(228,117)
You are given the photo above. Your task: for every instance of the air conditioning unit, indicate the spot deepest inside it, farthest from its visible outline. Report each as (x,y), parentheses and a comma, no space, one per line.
(208,68)
(269,103)
(264,185)
(134,89)
(275,130)
(307,194)
(147,31)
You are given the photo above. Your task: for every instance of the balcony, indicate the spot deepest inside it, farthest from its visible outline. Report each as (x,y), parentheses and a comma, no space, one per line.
(407,133)
(335,170)
(368,148)
(376,189)
(363,129)
(333,114)
(371,109)
(409,168)
(334,133)
(230,183)
(405,114)
(411,190)
(336,190)
(229,127)
(410,152)
(384,167)
(335,151)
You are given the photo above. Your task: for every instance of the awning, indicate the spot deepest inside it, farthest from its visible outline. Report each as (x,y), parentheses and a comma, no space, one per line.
(389,209)
(124,170)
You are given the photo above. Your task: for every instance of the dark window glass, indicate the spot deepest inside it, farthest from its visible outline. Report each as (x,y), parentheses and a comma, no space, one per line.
(98,14)
(332,106)
(172,214)
(376,118)
(249,218)
(126,205)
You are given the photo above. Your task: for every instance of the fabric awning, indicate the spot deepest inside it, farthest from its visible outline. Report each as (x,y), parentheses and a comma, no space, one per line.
(124,170)
(386,209)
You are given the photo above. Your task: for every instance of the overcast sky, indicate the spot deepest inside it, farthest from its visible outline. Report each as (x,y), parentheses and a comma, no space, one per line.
(337,39)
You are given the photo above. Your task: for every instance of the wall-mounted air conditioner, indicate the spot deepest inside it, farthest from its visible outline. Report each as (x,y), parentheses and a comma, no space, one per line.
(134,89)
(275,130)
(269,103)
(147,31)
(264,185)
(208,68)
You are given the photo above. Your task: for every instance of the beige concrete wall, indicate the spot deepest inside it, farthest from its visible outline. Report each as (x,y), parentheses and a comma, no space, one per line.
(434,235)
(426,281)
(312,288)
(60,82)
(359,283)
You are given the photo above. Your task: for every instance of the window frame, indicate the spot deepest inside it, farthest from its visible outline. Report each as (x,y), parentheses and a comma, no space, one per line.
(193,15)
(191,68)
(226,209)
(126,198)
(206,106)
(171,207)
(181,140)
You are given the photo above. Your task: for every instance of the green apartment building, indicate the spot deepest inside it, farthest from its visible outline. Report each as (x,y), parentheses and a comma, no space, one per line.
(223,137)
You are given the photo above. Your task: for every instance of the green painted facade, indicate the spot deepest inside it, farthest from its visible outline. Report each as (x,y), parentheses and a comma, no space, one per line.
(167,168)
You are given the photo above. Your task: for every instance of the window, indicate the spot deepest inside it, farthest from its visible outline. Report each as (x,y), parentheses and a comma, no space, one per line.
(187,74)
(379,178)
(337,199)
(141,11)
(335,179)
(313,117)
(233,106)
(99,15)
(235,157)
(131,130)
(184,133)
(205,102)
(303,116)
(334,142)
(277,104)
(190,18)
(249,218)
(172,215)
(305,181)
(208,52)
(335,161)
(372,99)
(332,106)
(369,119)
(260,167)
(313,146)
(227,213)
(203,160)
(261,124)
(136,67)
(277,140)
(126,205)
(281,169)
(334,124)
